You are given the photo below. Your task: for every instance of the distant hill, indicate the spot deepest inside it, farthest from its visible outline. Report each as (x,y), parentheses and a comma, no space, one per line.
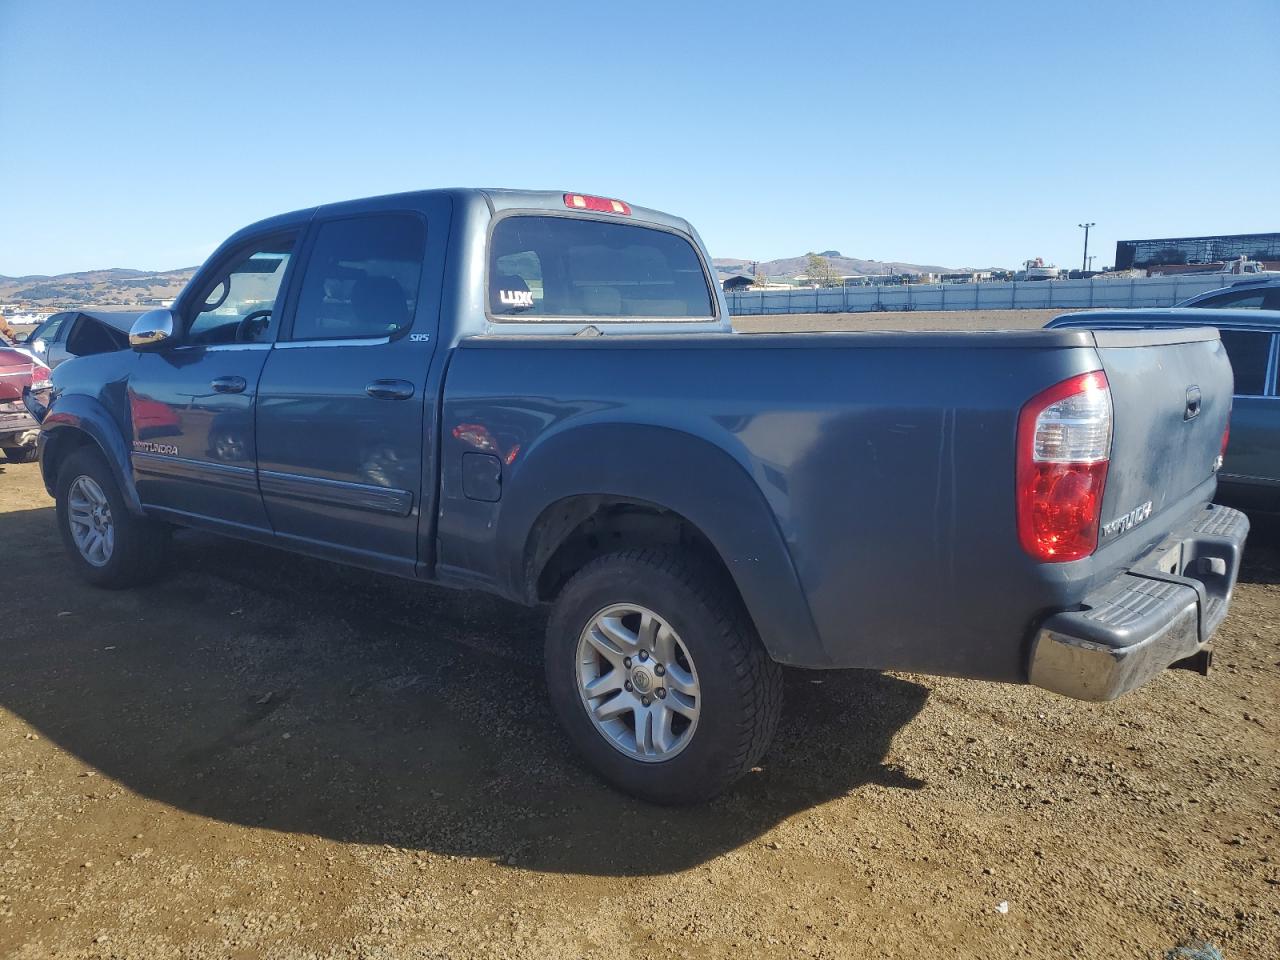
(114,287)
(845,266)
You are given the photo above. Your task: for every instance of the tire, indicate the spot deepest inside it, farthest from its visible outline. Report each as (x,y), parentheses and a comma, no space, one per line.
(738,687)
(138,546)
(21,454)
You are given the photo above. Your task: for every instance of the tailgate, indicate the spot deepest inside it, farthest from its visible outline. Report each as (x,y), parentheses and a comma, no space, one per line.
(1171,395)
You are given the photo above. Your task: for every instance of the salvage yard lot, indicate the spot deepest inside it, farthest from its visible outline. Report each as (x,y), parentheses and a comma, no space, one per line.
(267,756)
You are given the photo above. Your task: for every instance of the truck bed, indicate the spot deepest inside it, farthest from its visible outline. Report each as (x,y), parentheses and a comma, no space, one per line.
(885,462)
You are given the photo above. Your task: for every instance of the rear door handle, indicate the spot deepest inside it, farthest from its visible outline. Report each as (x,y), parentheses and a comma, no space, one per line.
(390,389)
(228,384)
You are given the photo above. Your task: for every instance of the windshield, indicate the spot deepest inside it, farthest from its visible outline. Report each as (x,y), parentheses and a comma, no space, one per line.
(543,267)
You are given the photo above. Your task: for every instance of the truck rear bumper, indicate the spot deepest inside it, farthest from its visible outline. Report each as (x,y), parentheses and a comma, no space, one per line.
(1165,609)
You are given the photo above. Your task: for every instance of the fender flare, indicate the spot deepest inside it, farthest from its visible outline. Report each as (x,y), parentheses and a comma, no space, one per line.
(634,462)
(73,414)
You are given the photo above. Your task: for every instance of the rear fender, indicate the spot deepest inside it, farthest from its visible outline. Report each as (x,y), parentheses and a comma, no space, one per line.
(636,462)
(72,419)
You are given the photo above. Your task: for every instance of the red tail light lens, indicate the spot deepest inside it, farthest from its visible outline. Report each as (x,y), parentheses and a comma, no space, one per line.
(1064,447)
(579,201)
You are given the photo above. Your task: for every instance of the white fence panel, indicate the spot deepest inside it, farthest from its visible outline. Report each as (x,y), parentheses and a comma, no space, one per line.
(1004,295)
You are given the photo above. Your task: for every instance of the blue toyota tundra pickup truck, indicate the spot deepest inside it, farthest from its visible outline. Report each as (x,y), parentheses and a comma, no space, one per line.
(540,395)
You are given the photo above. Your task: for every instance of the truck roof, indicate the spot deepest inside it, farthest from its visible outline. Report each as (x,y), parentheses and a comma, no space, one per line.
(497,199)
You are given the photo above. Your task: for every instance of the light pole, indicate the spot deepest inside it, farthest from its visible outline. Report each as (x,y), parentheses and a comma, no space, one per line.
(1084,261)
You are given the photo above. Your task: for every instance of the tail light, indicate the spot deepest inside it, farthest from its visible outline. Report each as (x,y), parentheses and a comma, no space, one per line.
(40,377)
(578,201)
(1222,452)
(1064,447)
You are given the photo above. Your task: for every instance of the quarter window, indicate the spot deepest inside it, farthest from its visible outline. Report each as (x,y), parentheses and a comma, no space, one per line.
(568,267)
(361,278)
(1248,352)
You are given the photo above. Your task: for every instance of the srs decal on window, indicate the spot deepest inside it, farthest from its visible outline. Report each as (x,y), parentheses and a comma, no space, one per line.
(516,298)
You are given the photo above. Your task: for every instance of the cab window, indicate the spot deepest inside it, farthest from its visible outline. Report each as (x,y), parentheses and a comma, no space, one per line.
(51,330)
(545,267)
(361,278)
(1237,301)
(239,304)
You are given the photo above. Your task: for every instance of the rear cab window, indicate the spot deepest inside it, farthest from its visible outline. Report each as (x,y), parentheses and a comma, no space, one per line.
(567,267)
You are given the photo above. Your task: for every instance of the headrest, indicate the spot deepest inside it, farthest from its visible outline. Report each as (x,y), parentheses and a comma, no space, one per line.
(379,304)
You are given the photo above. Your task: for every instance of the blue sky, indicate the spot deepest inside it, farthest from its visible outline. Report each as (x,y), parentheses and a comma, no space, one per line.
(140,134)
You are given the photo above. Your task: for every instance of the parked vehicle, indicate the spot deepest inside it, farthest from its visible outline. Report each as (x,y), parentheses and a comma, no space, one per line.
(19,431)
(1262,293)
(540,395)
(79,333)
(10,343)
(1250,475)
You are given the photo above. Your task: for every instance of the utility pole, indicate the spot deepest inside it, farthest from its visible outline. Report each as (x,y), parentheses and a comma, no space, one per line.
(1084,261)
(1089,260)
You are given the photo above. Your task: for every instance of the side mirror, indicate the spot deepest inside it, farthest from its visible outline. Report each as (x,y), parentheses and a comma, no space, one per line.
(153,328)
(22,337)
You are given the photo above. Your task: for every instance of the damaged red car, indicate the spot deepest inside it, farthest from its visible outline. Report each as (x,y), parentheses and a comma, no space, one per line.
(18,429)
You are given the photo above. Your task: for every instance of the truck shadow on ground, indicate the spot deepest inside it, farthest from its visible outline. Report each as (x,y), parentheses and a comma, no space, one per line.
(1261,563)
(259,688)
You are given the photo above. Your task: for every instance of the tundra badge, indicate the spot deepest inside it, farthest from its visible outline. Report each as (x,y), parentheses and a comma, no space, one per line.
(1128,521)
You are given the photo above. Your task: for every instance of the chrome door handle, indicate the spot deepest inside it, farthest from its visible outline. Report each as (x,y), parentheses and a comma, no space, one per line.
(228,384)
(390,389)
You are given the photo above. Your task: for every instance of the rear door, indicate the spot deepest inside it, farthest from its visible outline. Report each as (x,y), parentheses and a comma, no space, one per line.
(1171,396)
(341,416)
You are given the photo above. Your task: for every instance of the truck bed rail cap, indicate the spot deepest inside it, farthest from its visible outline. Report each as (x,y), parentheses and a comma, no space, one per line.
(866,340)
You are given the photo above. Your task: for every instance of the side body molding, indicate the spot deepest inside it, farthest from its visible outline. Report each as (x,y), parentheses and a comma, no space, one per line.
(638,462)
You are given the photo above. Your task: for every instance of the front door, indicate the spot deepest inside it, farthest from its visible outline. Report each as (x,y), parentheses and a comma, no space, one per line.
(340,417)
(191,404)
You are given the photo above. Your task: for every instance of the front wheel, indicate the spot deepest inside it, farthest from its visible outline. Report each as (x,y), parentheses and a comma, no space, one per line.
(658,676)
(108,545)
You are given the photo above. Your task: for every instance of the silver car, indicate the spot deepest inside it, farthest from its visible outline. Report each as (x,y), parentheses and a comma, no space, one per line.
(78,333)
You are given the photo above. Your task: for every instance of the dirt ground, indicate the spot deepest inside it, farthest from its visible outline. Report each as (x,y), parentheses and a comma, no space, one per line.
(267,756)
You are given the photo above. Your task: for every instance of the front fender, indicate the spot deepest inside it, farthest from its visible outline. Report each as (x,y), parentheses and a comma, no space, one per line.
(710,489)
(72,418)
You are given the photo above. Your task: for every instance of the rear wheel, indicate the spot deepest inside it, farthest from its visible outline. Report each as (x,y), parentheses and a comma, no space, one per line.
(658,676)
(21,454)
(108,545)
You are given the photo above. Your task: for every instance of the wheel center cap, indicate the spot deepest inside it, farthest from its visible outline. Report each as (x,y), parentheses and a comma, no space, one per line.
(642,680)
